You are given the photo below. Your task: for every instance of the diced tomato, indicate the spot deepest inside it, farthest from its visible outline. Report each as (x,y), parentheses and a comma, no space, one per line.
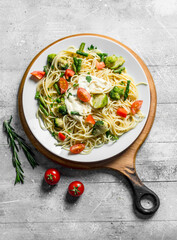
(100,65)
(69,73)
(122,112)
(63,84)
(83,95)
(90,119)
(61,136)
(38,74)
(136,106)
(77,148)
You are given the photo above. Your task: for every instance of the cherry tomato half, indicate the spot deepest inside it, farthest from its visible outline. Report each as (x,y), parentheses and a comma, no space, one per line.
(63,84)
(83,95)
(122,112)
(90,119)
(76,188)
(136,106)
(61,136)
(100,65)
(77,148)
(38,74)
(69,73)
(52,176)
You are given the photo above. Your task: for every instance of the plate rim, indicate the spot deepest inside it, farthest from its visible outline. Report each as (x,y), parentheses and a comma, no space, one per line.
(30,135)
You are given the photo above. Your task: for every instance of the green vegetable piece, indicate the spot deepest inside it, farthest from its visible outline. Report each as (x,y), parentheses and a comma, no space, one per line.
(91,47)
(89,78)
(57,88)
(69,94)
(127,90)
(37,96)
(119,70)
(75,85)
(65,66)
(79,65)
(74,68)
(62,74)
(82,53)
(82,46)
(58,100)
(100,101)
(43,110)
(116,93)
(102,56)
(113,137)
(75,113)
(100,127)
(41,99)
(63,110)
(58,122)
(114,62)
(46,70)
(50,58)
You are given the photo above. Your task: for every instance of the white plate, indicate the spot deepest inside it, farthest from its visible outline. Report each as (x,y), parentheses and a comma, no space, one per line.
(30,104)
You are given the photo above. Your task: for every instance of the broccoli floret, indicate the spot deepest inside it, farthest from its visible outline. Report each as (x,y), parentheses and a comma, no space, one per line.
(114,62)
(116,93)
(100,127)
(50,58)
(63,110)
(58,123)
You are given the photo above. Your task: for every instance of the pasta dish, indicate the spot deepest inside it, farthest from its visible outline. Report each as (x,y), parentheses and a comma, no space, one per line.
(86,98)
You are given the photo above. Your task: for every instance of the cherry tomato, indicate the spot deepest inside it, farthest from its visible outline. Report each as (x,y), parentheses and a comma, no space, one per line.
(69,73)
(76,188)
(136,106)
(52,176)
(100,65)
(61,136)
(122,112)
(90,119)
(38,74)
(63,84)
(77,148)
(83,95)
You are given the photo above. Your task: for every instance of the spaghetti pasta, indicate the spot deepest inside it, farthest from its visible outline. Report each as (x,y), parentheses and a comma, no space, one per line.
(97,82)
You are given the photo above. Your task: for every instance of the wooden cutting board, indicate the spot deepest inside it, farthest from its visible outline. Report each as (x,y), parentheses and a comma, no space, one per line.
(124,162)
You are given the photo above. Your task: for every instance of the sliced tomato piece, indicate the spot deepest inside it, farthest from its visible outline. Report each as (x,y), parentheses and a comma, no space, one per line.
(122,112)
(100,65)
(61,136)
(90,119)
(77,148)
(63,84)
(136,106)
(38,74)
(69,73)
(83,95)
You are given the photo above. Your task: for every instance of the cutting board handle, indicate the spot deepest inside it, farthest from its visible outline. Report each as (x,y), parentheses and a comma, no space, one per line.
(141,192)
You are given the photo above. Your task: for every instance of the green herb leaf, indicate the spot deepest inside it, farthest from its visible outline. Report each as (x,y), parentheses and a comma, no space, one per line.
(91,47)
(75,113)
(75,85)
(70,94)
(88,78)
(12,136)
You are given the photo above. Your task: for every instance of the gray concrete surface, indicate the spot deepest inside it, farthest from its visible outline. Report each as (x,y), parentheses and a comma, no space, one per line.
(35,211)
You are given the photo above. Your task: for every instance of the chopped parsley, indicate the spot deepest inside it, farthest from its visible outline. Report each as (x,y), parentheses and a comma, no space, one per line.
(88,78)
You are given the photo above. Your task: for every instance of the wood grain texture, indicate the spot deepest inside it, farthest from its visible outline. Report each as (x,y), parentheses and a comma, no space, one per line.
(149,28)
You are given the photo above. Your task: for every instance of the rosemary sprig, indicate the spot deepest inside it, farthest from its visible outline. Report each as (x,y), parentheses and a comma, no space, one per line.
(12,136)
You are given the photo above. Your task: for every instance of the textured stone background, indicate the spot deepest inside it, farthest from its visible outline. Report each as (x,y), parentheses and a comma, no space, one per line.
(35,211)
